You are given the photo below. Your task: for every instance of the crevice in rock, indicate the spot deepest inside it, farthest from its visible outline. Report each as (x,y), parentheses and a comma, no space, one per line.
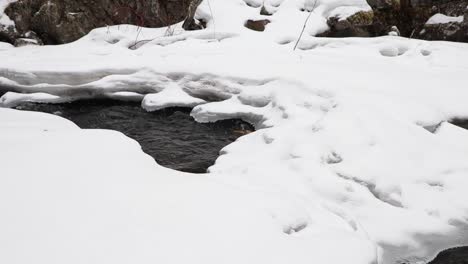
(406,18)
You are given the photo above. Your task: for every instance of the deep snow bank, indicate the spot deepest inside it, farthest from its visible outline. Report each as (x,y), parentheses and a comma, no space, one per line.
(75,196)
(344,162)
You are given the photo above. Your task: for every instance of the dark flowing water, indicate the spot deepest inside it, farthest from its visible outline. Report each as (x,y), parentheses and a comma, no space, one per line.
(170,136)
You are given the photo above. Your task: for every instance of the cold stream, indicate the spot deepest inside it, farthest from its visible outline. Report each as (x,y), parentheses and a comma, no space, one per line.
(171,136)
(175,140)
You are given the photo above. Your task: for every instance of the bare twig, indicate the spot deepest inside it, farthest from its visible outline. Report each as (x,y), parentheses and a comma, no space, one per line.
(139,29)
(305,25)
(135,45)
(169,31)
(412,33)
(212,18)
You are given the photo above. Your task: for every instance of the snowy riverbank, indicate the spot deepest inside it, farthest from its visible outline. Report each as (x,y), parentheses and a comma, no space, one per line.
(352,161)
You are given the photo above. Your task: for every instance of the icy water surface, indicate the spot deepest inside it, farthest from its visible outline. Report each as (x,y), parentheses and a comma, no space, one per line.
(170,136)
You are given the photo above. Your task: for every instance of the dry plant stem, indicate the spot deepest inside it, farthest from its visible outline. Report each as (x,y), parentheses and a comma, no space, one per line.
(212,18)
(305,25)
(138,34)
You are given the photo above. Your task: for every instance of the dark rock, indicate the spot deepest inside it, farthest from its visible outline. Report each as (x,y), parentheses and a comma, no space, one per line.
(257,25)
(452,256)
(405,18)
(27,39)
(357,25)
(449,31)
(410,17)
(190,23)
(264,11)
(63,21)
(8,34)
(452,31)
(384,4)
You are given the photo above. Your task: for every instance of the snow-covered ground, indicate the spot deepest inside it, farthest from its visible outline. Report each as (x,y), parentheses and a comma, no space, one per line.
(353,160)
(4,19)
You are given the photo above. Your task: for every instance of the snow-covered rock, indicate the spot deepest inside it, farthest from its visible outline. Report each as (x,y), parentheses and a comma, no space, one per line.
(64,21)
(442,19)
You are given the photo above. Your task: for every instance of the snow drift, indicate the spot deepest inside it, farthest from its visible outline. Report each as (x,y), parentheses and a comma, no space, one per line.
(344,166)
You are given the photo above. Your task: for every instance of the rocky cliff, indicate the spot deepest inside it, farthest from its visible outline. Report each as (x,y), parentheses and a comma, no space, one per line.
(63,21)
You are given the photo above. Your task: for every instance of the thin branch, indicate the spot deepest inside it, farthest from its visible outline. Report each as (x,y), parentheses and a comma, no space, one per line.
(305,25)
(212,18)
(140,41)
(139,29)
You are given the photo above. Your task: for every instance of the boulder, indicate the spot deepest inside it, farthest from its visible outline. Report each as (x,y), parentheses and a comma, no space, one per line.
(410,17)
(357,25)
(63,21)
(8,33)
(406,18)
(450,31)
(257,25)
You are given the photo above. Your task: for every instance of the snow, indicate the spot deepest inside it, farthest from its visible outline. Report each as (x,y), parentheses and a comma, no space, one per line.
(108,202)
(11,99)
(343,12)
(4,19)
(443,19)
(340,170)
(170,96)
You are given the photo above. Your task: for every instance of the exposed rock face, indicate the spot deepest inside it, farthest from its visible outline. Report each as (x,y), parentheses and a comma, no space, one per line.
(63,21)
(407,17)
(190,23)
(410,16)
(452,31)
(357,25)
(8,34)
